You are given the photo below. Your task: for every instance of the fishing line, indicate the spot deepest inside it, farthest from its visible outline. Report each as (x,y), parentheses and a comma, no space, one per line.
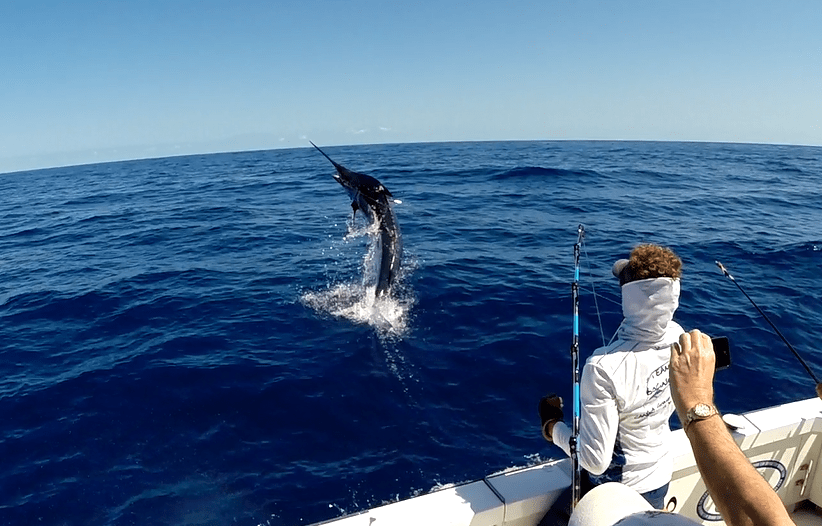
(606,298)
(594,292)
(805,365)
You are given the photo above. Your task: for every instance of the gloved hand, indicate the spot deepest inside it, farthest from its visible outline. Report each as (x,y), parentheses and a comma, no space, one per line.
(550,410)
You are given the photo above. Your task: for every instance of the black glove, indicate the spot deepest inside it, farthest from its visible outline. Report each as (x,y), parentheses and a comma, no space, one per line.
(550,408)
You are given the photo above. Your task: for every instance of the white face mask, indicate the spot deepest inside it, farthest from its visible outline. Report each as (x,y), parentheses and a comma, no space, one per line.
(648,305)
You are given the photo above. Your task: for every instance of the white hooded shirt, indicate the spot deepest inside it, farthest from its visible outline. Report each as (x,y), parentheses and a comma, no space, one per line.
(625,398)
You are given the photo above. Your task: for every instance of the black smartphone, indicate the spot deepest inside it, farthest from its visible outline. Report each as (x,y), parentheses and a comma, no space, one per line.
(722,351)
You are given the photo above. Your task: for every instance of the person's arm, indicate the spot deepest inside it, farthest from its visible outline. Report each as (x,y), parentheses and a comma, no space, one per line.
(742,496)
(598,423)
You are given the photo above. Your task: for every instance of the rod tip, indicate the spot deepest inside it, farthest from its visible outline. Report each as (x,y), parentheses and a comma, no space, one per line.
(723,269)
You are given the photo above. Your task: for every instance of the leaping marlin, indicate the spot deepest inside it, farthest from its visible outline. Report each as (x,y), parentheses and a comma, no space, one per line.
(374,200)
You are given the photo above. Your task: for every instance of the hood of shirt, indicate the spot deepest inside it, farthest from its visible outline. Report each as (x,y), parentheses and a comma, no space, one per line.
(648,306)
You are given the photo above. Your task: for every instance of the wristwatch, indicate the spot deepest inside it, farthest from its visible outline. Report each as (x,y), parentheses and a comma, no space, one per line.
(699,412)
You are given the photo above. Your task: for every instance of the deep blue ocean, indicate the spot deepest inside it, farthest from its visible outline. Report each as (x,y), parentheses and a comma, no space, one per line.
(187,341)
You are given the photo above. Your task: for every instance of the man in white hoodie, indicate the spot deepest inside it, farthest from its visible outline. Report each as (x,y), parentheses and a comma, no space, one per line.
(625,397)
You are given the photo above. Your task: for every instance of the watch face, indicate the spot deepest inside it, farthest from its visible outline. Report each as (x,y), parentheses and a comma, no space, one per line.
(702,410)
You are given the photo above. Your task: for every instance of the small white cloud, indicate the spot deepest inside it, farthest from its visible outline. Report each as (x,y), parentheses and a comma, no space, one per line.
(383,128)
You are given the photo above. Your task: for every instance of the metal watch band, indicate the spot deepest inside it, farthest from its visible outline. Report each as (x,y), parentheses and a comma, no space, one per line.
(693,414)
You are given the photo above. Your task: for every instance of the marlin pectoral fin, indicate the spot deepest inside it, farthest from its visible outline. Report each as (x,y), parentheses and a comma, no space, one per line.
(354,208)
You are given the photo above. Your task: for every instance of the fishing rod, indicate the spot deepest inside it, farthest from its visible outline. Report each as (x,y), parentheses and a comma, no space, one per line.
(575,470)
(805,365)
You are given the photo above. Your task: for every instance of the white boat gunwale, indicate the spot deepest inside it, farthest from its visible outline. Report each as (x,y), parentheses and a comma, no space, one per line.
(784,441)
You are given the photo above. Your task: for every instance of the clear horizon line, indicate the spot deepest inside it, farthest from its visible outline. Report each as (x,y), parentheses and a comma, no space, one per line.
(207,151)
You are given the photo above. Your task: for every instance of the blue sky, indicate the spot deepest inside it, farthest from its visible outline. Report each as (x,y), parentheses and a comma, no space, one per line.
(87,81)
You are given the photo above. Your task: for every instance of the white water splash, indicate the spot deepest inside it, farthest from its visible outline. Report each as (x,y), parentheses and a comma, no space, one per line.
(357,302)
(386,313)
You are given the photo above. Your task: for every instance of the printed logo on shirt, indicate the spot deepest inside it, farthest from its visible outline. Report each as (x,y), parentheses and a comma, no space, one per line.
(661,405)
(657,381)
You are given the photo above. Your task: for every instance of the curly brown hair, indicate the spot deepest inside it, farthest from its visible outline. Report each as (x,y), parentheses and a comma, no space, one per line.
(653,261)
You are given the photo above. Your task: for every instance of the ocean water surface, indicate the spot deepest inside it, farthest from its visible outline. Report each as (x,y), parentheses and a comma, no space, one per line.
(187,341)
